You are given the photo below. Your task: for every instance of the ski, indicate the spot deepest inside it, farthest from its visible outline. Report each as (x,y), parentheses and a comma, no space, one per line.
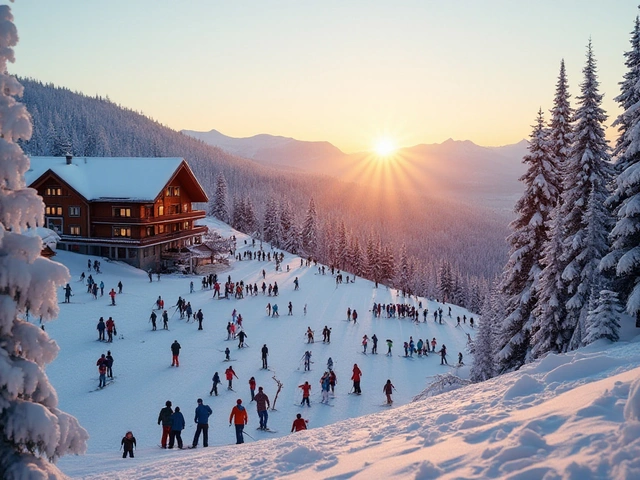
(266,430)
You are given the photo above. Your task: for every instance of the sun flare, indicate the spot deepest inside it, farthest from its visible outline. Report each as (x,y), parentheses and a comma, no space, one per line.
(384,147)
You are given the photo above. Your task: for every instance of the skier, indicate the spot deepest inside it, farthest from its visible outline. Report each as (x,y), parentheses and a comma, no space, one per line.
(330,364)
(227,354)
(199,317)
(269,309)
(119,287)
(348,314)
(433,344)
(109,358)
(201,418)
(460,358)
(357,373)
(274,310)
(175,351)
(128,442)
(333,379)
(152,319)
(101,288)
(191,286)
(240,419)
(165,320)
(324,386)
(265,354)
(389,345)
(165,418)
(388,390)
(471,322)
(101,328)
(299,424)
(296,283)
(354,315)
(262,404)
(325,334)
(229,373)
(241,337)
(111,325)
(307,360)
(365,341)
(306,390)
(290,309)
(159,303)
(309,335)
(443,355)
(177,425)
(252,388)
(419,347)
(374,348)
(102,371)
(216,381)
(67,293)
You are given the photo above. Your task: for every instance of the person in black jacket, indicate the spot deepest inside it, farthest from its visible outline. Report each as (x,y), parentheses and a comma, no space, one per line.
(175,350)
(165,418)
(128,442)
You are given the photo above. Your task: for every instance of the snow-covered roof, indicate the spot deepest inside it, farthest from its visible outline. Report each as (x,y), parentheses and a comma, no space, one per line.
(108,178)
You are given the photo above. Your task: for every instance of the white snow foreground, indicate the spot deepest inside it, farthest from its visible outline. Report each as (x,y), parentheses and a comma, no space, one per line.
(567,416)
(564,415)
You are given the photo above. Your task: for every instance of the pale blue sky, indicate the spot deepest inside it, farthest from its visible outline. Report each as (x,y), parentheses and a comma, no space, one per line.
(343,71)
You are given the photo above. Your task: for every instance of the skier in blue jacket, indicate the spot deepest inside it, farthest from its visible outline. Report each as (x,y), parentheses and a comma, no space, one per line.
(202,419)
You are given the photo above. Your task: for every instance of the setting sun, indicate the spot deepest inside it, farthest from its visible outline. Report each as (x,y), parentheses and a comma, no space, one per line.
(384,147)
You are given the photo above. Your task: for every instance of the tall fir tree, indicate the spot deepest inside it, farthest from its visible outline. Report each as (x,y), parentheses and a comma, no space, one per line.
(310,230)
(219,207)
(622,263)
(585,218)
(550,308)
(484,344)
(271,225)
(520,278)
(34,431)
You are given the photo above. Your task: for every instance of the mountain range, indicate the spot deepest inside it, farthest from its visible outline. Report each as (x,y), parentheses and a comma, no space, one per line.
(459,169)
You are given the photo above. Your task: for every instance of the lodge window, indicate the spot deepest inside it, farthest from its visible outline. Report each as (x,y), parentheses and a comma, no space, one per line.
(160,210)
(122,231)
(149,231)
(148,212)
(173,191)
(74,230)
(53,191)
(185,207)
(121,212)
(74,211)
(160,228)
(185,226)
(53,210)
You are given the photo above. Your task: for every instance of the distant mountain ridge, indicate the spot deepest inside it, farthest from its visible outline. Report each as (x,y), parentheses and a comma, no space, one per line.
(470,172)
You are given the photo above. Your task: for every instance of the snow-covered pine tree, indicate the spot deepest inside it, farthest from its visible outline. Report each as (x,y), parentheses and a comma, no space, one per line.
(250,218)
(604,320)
(34,432)
(386,264)
(520,277)
(271,224)
(445,282)
(622,263)
(289,229)
(586,220)
(237,217)
(403,270)
(484,363)
(550,308)
(341,246)
(219,204)
(310,230)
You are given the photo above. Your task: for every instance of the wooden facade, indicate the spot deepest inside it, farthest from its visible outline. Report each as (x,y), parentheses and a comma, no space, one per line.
(136,231)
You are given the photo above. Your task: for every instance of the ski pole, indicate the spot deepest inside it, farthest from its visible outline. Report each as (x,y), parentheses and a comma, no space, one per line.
(245,433)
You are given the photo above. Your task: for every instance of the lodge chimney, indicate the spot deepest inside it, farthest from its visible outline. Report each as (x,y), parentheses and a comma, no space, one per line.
(69,157)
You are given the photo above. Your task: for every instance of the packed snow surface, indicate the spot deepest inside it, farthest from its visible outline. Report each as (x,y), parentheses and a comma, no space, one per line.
(566,416)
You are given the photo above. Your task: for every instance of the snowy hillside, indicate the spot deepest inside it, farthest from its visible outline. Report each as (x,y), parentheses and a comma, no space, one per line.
(145,380)
(564,416)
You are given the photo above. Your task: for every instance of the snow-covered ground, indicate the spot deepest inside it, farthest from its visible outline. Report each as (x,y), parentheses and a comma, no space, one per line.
(566,416)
